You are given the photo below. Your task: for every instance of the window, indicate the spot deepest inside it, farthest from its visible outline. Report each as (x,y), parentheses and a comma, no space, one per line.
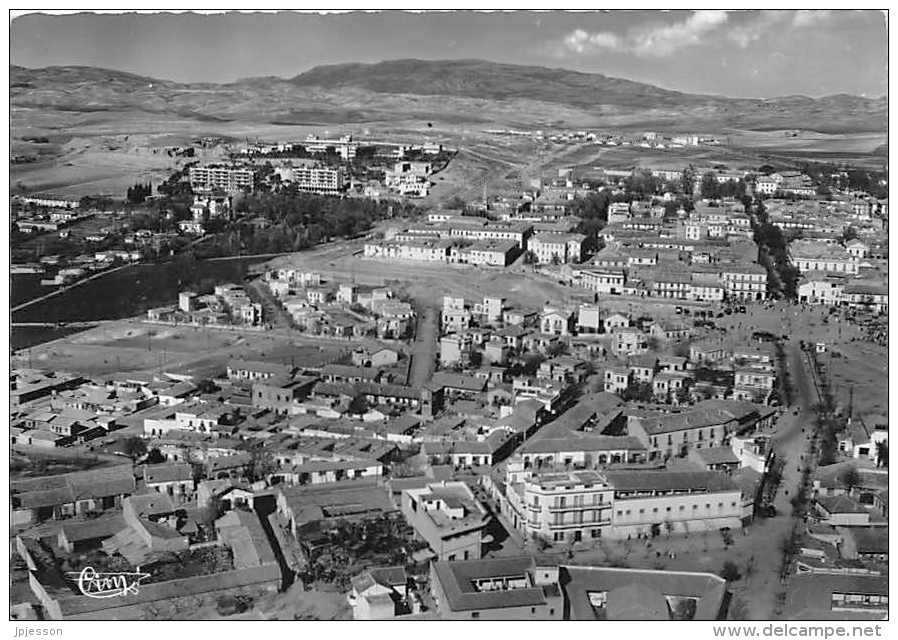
(475,614)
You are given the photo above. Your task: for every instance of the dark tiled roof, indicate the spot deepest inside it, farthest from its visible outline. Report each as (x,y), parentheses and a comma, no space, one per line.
(670,481)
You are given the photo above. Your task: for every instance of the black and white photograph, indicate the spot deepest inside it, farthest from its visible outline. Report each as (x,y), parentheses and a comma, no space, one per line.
(456,315)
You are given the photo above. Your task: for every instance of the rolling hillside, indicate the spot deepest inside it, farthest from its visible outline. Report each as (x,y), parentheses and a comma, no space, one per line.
(413,89)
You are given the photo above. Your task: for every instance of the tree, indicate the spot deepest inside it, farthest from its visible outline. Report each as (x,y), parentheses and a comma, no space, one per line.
(638,391)
(730,571)
(710,187)
(738,609)
(850,478)
(530,257)
(687,179)
(139,193)
(134,447)
(155,457)
(882,454)
(261,465)
(359,405)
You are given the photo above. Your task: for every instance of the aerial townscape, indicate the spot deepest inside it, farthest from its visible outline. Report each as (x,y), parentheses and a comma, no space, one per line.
(445,340)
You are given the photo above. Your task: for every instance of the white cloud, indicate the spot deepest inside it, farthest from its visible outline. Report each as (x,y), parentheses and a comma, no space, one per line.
(664,40)
(659,40)
(702,27)
(756,26)
(579,41)
(807,18)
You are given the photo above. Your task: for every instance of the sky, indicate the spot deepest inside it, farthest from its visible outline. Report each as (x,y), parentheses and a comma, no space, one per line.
(733,53)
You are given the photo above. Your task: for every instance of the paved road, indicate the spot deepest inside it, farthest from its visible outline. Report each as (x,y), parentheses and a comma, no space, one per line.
(423,351)
(793,433)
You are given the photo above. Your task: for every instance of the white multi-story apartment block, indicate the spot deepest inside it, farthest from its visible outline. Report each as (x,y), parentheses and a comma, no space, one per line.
(220,177)
(315,179)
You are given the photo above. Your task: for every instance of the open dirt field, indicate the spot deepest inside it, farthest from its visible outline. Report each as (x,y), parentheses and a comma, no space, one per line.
(859,364)
(135,347)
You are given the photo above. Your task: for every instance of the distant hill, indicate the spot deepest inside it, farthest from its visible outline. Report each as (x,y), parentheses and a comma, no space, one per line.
(447,89)
(493,81)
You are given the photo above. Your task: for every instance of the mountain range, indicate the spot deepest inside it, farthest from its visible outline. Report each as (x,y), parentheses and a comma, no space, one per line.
(445,90)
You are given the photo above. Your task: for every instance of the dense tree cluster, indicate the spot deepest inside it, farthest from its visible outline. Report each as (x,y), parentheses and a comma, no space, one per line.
(592,209)
(290,220)
(139,193)
(773,243)
(827,176)
(714,190)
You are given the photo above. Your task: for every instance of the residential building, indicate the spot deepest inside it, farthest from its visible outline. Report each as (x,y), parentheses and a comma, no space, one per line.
(671,434)
(864,437)
(379,593)
(496,589)
(837,597)
(809,255)
(557,322)
(649,502)
(744,281)
(448,517)
(611,593)
(561,506)
(315,178)
(229,179)
(617,379)
(556,248)
(609,281)
(256,370)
